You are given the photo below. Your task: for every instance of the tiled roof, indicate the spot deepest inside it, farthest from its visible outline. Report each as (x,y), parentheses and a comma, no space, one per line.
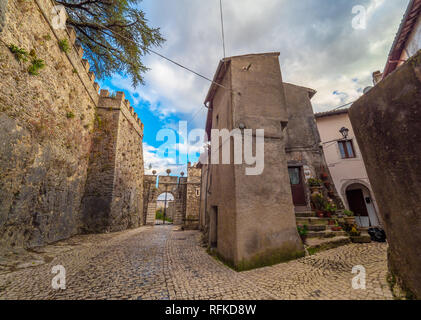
(331,113)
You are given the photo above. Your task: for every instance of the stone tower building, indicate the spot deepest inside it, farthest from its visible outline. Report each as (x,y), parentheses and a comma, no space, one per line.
(113,195)
(251,218)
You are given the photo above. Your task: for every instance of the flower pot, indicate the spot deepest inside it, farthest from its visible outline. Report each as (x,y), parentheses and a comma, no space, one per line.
(320,214)
(350,220)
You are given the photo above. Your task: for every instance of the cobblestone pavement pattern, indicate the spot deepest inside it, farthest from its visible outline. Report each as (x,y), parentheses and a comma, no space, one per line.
(162,263)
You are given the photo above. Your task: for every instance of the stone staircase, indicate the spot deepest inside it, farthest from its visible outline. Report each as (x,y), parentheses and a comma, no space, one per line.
(321,235)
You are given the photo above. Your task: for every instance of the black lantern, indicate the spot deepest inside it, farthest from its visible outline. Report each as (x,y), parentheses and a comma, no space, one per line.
(344,131)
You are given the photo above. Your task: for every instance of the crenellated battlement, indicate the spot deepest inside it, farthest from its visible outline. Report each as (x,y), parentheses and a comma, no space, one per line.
(90,142)
(119,102)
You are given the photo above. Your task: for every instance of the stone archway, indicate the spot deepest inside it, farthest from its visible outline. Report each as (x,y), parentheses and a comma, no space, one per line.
(165,204)
(359,198)
(157,185)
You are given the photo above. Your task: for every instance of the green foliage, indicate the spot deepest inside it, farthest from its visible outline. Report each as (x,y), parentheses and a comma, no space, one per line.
(319,201)
(36,66)
(314,182)
(331,208)
(160,216)
(64,45)
(114,34)
(20,54)
(348,213)
(302,231)
(70,115)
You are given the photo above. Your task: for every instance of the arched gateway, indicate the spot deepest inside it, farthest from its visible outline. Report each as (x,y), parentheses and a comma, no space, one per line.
(184,210)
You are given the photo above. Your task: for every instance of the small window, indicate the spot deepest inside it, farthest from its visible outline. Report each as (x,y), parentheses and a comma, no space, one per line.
(197,192)
(347,149)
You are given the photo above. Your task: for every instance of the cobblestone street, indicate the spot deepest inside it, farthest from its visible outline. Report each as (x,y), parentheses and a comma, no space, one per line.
(163,263)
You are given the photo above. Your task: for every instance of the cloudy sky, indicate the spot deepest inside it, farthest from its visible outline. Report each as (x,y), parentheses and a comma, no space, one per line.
(319,48)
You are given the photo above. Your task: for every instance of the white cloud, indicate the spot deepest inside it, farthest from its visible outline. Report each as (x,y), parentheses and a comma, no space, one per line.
(318,46)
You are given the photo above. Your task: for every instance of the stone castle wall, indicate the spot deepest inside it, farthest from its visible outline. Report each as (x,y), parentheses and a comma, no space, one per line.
(48,129)
(113,198)
(193,197)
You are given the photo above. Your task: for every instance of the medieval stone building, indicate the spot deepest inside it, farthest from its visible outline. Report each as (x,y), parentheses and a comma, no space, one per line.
(251,220)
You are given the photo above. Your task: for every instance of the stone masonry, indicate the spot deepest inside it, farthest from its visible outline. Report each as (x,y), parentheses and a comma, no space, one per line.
(251,217)
(184,210)
(387,122)
(113,198)
(49,127)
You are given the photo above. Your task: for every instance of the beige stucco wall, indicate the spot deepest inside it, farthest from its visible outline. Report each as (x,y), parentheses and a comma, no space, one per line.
(344,172)
(413,44)
(256,220)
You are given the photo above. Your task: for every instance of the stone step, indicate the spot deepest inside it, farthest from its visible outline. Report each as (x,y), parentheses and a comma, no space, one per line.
(305,214)
(325,234)
(312,221)
(315,245)
(315,227)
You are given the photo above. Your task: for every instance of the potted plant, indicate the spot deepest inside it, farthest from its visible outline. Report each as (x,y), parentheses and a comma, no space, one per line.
(303,232)
(314,183)
(324,176)
(330,209)
(349,217)
(318,201)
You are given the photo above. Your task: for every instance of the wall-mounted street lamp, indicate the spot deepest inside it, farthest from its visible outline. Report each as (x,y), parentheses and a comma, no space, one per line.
(168,171)
(182,174)
(344,131)
(154,172)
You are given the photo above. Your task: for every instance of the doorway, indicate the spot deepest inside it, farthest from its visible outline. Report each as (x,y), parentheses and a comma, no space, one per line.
(297,186)
(361,203)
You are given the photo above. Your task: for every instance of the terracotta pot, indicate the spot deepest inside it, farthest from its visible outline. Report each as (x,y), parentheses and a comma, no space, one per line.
(350,220)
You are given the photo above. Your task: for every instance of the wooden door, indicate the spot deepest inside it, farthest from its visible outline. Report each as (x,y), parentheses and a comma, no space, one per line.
(297,186)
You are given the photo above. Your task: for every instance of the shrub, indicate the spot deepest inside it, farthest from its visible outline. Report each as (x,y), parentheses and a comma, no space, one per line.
(36,65)
(20,54)
(314,182)
(64,45)
(302,231)
(348,213)
(70,115)
(319,202)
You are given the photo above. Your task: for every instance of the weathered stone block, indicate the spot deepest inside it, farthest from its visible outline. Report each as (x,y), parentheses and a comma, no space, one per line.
(387,122)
